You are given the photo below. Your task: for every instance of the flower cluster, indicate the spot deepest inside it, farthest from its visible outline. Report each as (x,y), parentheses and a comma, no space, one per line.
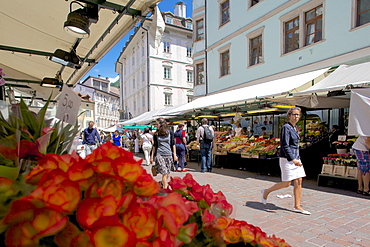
(108,199)
(340,159)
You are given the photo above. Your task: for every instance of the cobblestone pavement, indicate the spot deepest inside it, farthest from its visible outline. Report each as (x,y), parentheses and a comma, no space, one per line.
(339,217)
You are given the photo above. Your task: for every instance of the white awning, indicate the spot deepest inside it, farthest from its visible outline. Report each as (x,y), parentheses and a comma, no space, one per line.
(344,77)
(38,25)
(149,117)
(262,90)
(314,101)
(359,117)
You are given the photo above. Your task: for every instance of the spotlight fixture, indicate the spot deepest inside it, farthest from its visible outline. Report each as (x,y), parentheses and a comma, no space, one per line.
(78,21)
(69,59)
(51,82)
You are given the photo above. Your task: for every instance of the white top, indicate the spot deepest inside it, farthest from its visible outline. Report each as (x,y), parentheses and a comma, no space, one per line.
(147,139)
(238,131)
(200,132)
(360,144)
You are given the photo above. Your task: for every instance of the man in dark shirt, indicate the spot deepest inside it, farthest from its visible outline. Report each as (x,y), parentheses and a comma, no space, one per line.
(90,135)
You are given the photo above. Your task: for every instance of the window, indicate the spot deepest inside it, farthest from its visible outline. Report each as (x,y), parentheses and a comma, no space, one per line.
(142,51)
(133,57)
(189,25)
(133,83)
(200,30)
(167,99)
(96,83)
(363,12)
(256,50)
(134,105)
(225,16)
(142,76)
(291,35)
(166,46)
(168,20)
(189,76)
(188,51)
(200,73)
(143,101)
(190,98)
(88,113)
(313,25)
(225,63)
(167,73)
(254,2)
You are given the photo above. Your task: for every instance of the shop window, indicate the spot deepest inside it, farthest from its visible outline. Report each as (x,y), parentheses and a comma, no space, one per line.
(256,50)
(313,19)
(200,73)
(291,35)
(225,12)
(166,47)
(199,30)
(225,63)
(363,12)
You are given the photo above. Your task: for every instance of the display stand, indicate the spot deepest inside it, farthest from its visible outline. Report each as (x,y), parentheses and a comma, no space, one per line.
(339,182)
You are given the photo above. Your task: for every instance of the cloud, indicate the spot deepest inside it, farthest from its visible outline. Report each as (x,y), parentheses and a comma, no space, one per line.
(96,70)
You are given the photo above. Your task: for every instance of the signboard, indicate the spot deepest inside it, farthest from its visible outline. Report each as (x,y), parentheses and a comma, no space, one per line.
(342,138)
(68,105)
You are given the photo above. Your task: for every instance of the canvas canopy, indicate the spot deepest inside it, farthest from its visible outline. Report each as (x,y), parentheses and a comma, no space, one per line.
(37,25)
(267,89)
(314,101)
(359,117)
(344,77)
(149,117)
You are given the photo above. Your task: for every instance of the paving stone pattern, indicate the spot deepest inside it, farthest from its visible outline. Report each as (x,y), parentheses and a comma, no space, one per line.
(339,217)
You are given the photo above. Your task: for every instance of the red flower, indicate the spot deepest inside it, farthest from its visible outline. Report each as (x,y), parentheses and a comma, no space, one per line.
(145,185)
(106,186)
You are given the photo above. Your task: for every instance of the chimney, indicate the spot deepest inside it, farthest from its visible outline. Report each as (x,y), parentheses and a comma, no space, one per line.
(180,9)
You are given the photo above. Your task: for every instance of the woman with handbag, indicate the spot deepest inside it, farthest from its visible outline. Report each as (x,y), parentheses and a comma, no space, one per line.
(147,143)
(180,142)
(361,149)
(164,150)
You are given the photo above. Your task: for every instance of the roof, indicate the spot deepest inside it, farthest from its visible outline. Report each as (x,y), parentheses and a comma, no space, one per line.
(37,27)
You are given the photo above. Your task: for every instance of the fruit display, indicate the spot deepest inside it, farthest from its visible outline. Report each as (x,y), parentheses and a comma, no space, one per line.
(193,146)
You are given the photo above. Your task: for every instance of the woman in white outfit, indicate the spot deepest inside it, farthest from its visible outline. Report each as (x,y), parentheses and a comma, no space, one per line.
(147,144)
(290,162)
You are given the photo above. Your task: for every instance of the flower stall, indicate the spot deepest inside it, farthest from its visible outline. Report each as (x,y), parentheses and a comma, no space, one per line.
(108,199)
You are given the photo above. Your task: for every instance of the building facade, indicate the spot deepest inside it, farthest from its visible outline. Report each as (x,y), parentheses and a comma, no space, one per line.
(87,107)
(106,98)
(239,43)
(155,78)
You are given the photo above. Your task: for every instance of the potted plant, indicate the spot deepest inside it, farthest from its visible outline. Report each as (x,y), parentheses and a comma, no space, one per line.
(341,146)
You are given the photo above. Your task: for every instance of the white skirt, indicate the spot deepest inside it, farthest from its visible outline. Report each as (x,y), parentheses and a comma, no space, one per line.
(289,171)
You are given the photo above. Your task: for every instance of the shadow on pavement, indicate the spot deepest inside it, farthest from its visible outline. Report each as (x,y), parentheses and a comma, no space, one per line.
(269,207)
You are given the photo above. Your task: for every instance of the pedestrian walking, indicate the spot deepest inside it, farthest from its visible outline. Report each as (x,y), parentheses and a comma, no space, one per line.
(147,144)
(361,149)
(290,162)
(164,150)
(204,137)
(180,142)
(90,137)
(116,139)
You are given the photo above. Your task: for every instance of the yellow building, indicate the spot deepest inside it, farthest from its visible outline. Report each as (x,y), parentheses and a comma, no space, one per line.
(87,107)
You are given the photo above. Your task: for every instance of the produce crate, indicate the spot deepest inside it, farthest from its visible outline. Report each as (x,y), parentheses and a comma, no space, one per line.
(339,170)
(327,169)
(246,155)
(351,171)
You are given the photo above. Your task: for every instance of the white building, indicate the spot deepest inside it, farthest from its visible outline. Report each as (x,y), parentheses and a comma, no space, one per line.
(239,43)
(106,100)
(152,79)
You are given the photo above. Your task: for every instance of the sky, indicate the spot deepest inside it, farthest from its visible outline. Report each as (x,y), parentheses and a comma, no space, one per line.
(106,67)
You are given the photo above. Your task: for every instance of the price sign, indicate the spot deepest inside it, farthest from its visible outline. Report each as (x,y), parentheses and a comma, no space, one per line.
(68,106)
(342,138)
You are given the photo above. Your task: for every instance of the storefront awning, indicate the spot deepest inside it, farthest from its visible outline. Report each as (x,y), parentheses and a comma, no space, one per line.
(344,77)
(359,117)
(31,30)
(149,117)
(268,89)
(314,101)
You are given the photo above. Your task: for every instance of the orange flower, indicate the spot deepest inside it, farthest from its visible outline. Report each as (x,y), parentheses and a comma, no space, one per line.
(58,192)
(105,186)
(222,223)
(128,198)
(108,150)
(128,169)
(248,234)
(91,209)
(107,234)
(232,234)
(80,170)
(140,218)
(5,184)
(145,185)
(81,240)
(64,238)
